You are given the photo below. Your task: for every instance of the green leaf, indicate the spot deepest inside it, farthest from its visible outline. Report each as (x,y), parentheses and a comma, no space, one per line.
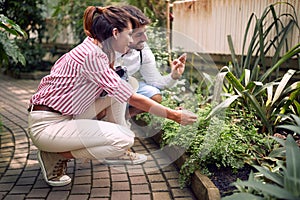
(11,26)
(233,55)
(269,189)
(276,178)
(278,153)
(294,51)
(292,178)
(11,49)
(296,119)
(242,196)
(261,111)
(294,128)
(220,107)
(287,76)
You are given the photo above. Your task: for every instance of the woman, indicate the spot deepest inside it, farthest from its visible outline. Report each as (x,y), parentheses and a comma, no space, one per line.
(62,112)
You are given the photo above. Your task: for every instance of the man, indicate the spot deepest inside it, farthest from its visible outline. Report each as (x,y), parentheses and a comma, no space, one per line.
(140,60)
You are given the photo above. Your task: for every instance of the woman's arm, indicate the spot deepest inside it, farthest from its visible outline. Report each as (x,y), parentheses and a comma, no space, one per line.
(146,104)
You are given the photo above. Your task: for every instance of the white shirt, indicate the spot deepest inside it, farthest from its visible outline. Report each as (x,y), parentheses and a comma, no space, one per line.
(147,69)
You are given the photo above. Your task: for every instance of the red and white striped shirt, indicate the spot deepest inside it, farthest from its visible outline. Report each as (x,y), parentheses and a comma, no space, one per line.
(79,77)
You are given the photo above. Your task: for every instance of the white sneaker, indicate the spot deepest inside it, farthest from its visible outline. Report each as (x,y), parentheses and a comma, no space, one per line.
(129,158)
(54,167)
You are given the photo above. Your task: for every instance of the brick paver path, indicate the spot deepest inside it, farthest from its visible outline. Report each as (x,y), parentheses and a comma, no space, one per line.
(20,175)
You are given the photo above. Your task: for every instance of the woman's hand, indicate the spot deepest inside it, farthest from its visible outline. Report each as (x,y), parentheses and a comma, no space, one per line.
(178,66)
(185,117)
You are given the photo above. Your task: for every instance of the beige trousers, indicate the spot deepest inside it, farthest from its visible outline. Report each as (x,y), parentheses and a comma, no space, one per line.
(83,136)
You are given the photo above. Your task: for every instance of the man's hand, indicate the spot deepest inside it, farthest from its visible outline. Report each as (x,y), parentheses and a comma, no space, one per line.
(178,66)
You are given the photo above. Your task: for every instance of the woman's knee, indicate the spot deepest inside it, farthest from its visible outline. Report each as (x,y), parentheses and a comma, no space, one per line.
(124,143)
(125,138)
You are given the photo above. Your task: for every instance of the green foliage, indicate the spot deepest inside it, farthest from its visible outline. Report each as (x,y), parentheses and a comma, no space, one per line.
(263,44)
(291,123)
(8,46)
(269,100)
(158,10)
(228,139)
(251,77)
(70,13)
(228,142)
(279,182)
(28,15)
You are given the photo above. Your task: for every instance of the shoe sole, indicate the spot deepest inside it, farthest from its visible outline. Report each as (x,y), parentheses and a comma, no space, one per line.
(52,183)
(139,161)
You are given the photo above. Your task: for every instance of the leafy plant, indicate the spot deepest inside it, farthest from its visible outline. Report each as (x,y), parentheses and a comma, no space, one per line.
(269,105)
(263,45)
(157,7)
(292,124)
(250,78)
(223,141)
(28,14)
(280,182)
(68,13)
(8,47)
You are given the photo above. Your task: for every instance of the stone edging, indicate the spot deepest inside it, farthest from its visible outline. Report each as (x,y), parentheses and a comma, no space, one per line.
(202,186)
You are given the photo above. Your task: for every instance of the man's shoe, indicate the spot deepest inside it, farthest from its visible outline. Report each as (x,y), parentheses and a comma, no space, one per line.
(129,158)
(54,167)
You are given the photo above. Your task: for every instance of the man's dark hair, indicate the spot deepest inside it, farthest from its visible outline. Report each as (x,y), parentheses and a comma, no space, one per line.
(137,13)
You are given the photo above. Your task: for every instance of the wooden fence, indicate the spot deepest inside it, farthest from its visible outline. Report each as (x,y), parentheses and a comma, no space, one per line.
(203,25)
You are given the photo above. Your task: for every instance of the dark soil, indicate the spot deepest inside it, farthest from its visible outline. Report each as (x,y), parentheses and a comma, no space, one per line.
(223,177)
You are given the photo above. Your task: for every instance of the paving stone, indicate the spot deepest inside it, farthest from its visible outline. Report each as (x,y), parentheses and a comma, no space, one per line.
(140,189)
(155,178)
(9,179)
(78,197)
(81,189)
(102,174)
(174,183)
(26,181)
(100,192)
(20,189)
(58,195)
(42,193)
(180,192)
(13,172)
(82,180)
(172,175)
(119,186)
(30,173)
(141,197)
(159,186)
(101,182)
(119,177)
(116,195)
(6,186)
(117,169)
(161,195)
(2,194)
(138,180)
(15,197)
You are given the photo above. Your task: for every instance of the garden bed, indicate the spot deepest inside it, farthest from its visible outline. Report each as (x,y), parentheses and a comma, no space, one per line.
(202,186)
(223,177)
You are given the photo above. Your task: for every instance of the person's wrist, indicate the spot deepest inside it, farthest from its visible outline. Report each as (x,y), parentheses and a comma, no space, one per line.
(175,77)
(173,115)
